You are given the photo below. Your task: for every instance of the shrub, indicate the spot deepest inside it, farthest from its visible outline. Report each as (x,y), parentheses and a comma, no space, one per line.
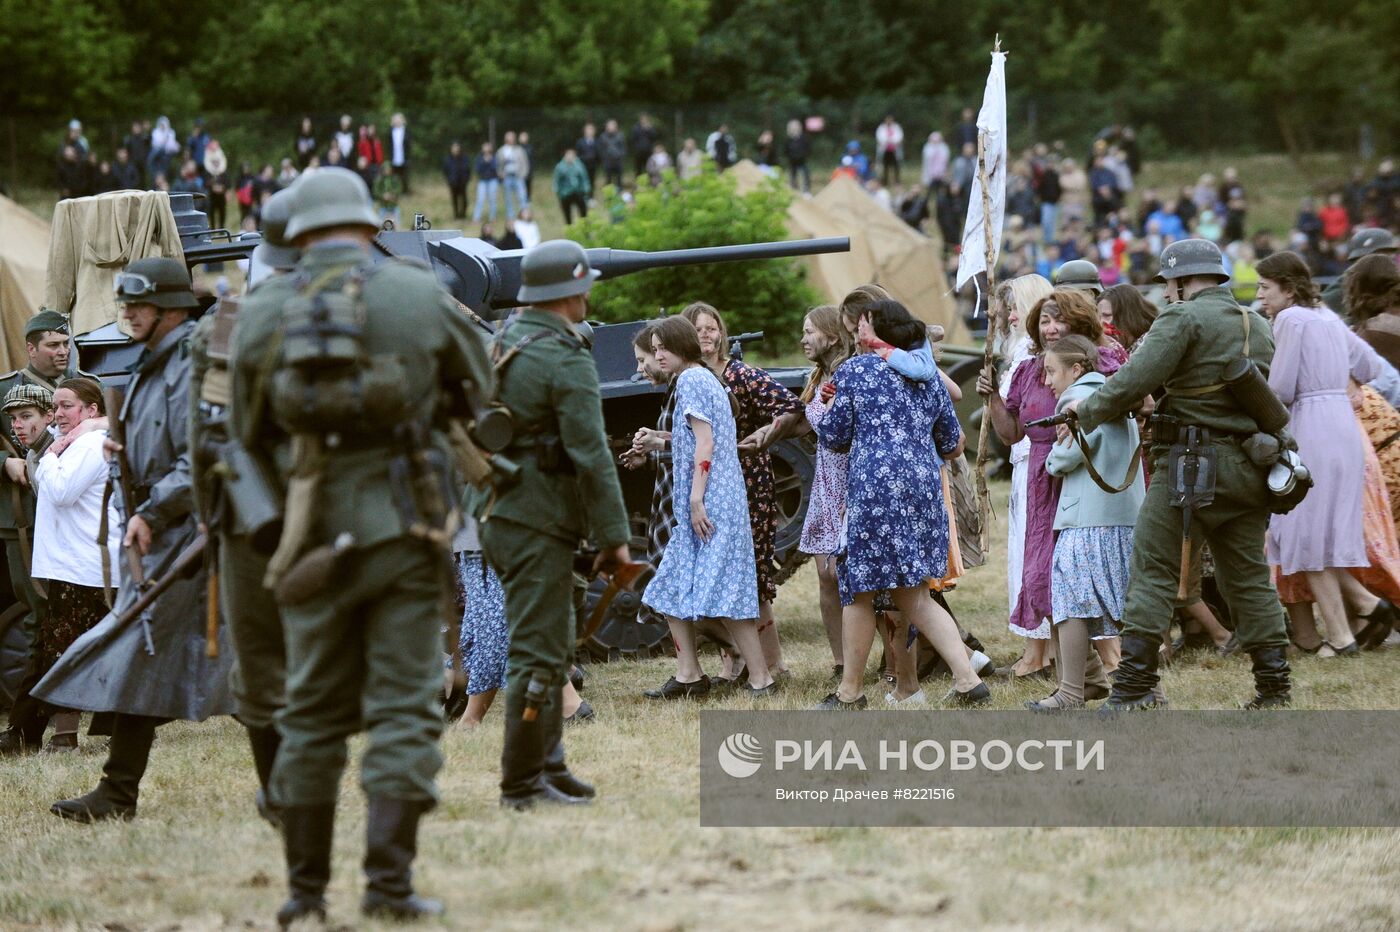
(707,210)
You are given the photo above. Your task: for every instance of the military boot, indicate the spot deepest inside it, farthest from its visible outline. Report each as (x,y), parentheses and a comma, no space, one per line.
(115,795)
(390,846)
(264,742)
(556,771)
(307,833)
(1271,688)
(524,781)
(1135,681)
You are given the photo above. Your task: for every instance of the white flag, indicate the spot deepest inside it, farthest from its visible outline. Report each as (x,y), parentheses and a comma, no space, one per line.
(991,127)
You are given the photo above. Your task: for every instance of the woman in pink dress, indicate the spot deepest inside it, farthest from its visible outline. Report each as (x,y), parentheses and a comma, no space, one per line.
(1315,358)
(1062,312)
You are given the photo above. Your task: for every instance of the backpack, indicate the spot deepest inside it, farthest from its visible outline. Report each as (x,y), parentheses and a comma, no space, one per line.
(327,382)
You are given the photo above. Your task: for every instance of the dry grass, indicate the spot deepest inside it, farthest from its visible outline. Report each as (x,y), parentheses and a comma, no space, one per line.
(198,858)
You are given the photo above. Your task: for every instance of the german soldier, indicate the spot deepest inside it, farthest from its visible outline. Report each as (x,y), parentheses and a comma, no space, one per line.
(344,375)
(568,490)
(1081,274)
(1363,242)
(152,668)
(225,478)
(1201,332)
(50,362)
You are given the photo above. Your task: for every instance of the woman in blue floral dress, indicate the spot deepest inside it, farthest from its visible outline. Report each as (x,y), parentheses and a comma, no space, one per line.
(896,432)
(707,570)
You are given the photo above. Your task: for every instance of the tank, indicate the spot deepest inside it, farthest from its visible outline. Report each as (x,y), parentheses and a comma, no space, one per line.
(487,280)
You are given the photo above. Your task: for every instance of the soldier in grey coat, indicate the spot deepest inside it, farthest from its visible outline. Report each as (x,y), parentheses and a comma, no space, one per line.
(154,668)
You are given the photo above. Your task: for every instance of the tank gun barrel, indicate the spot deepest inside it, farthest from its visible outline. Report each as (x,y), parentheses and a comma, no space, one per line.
(615,262)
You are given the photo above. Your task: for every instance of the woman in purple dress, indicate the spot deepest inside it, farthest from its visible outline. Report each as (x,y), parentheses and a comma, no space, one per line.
(1062,312)
(1315,357)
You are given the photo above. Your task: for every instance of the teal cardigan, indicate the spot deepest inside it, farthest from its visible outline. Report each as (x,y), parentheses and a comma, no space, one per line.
(1111,444)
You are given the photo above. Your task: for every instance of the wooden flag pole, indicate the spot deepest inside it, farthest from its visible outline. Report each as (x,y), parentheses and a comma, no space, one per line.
(995,324)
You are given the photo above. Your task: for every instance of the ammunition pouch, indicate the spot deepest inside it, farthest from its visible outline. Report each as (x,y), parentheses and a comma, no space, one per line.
(1251,391)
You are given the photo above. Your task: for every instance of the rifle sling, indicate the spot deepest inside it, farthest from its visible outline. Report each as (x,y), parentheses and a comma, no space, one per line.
(1094,473)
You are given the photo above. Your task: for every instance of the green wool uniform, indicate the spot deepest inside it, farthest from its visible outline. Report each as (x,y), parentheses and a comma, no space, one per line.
(365,651)
(529,532)
(252,616)
(1188,347)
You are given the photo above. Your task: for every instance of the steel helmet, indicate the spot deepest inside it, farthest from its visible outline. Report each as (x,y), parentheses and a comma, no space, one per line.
(555,269)
(1189,257)
(156,280)
(329,197)
(1079,273)
(1369,240)
(274,251)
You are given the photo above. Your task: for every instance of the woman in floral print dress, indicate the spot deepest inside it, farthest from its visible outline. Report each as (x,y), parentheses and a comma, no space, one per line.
(896,432)
(761,400)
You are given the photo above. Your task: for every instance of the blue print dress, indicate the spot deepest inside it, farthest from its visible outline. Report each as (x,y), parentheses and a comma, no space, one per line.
(716,579)
(897,431)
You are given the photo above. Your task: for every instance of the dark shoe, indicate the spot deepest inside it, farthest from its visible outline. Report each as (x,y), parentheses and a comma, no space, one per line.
(1114,706)
(65,743)
(557,775)
(577,676)
(1196,640)
(1351,650)
(1093,692)
(307,834)
(1271,687)
(1378,626)
(12,744)
(101,805)
(833,703)
(543,793)
(391,844)
(584,713)
(977,695)
(265,742)
(675,689)
(116,794)
(723,685)
(770,690)
(1135,680)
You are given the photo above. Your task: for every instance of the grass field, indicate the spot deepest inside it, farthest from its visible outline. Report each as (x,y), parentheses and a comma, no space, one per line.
(198,858)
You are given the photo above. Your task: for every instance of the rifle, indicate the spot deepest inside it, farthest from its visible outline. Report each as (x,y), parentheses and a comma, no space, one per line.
(117,431)
(183,566)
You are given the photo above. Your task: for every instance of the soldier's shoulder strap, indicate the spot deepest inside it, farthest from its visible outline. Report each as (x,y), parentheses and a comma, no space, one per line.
(1214,387)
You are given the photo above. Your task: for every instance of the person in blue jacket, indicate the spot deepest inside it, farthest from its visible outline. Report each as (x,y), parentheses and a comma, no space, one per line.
(1093,528)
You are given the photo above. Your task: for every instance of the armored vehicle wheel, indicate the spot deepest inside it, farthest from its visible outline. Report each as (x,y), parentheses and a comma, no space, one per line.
(794,464)
(625,632)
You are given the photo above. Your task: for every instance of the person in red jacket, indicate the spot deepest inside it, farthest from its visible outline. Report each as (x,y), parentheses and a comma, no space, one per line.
(370,145)
(1336,223)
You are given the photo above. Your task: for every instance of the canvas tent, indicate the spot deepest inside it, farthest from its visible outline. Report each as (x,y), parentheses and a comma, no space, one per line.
(24,254)
(884,250)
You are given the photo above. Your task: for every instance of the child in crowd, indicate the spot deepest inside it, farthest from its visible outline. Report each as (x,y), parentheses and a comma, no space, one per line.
(1093,528)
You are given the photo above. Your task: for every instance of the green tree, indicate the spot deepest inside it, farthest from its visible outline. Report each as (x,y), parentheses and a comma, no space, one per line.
(64,57)
(767,295)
